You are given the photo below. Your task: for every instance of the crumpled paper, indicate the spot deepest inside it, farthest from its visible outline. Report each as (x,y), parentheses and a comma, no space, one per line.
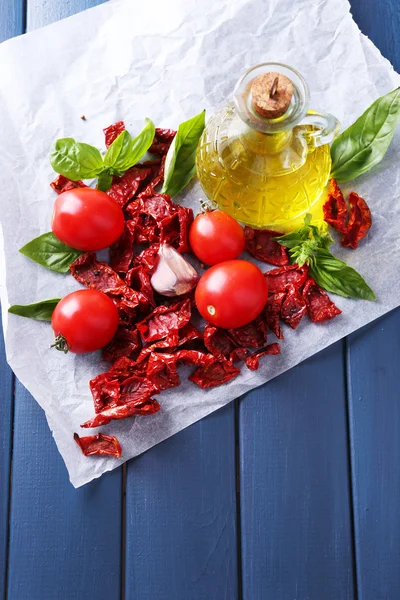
(167,61)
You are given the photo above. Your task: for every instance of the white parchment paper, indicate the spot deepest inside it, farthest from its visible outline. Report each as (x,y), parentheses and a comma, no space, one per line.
(167,61)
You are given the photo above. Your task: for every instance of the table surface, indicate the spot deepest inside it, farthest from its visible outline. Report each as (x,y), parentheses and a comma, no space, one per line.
(290,493)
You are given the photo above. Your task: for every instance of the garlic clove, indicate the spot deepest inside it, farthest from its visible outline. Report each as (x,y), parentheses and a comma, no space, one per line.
(174,275)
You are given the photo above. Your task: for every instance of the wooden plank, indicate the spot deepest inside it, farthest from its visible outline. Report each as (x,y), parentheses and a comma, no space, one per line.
(374,408)
(64,543)
(41,13)
(181,515)
(12,18)
(6,404)
(373,365)
(295,514)
(11,24)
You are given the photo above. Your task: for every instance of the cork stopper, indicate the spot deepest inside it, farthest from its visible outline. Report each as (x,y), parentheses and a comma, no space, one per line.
(271,94)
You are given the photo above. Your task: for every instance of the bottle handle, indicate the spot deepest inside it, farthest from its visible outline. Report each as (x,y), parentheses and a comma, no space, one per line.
(327,126)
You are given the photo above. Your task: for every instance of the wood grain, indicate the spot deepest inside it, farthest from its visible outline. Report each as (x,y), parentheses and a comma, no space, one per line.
(181,515)
(12,18)
(295,504)
(64,543)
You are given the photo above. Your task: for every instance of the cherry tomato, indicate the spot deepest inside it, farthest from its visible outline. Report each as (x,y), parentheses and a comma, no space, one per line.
(231,294)
(215,237)
(84,321)
(87,219)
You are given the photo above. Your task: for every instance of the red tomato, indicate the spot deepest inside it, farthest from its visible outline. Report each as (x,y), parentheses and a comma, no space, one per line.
(87,219)
(231,294)
(84,321)
(215,237)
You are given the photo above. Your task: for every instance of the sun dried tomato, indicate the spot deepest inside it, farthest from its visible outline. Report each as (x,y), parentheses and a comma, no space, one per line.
(238,354)
(162,371)
(194,357)
(252,361)
(99,444)
(189,333)
(125,367)
(273,312)
(139,408)
(124,188)
(157,177)
(279,280)
(121,252)
(148,258)
(215,374)
(360,221)
(126,342)
(113,131)
(320,307)
(98,275)
(63,184)
(150,212)
(218,342)
(164,320)
(335,209)
(139,280)
(252,335)
(105,390)
(261,245)
(175,229)
(162,141)
(293,307)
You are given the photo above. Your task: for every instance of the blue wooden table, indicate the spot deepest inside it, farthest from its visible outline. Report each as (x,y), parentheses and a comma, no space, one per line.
(291,493)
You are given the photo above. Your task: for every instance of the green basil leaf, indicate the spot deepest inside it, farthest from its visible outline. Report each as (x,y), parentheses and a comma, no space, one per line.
(364,144)
(41,311)
(180,164)
(125,152)
(335,276)
(119,151)
(48,251)
(104,181)
(75,160)
(291,240)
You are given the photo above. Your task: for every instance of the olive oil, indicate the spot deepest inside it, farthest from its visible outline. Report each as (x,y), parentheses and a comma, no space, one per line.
(267,173)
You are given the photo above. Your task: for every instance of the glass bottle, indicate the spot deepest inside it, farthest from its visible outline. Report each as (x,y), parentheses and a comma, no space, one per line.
(265,158)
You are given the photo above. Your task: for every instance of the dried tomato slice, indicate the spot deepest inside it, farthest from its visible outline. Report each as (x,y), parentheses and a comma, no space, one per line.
(113,131)
(122,252)
(293,307)
(360,221)
(252,335)
(174,230)
(99,444)
(63,184)
(279,280)
(164,320)
(148,258)
(124,188)
(156,178)
(162,141)
(105,390)
(238,354)
(139,280)
(139,408)
(320,307)
(335,209)
(218,342)
(252,361)
(273,312)
(194,357)
(261,245)
(215,374)
(162,371)
(126,342)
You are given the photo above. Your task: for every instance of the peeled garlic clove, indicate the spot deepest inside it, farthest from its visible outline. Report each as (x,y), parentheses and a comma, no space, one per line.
(174,275)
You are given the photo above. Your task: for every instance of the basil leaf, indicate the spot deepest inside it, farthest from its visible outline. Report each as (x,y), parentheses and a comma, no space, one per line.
(125,152)
(41,311)
(291,240)
(104,181)
(180,164)
(335,276)
(48,251)
(75,160)
(119,151)
(364,144)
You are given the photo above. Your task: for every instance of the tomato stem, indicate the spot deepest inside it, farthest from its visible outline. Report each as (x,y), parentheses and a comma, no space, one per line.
(60,343)
(205,206)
